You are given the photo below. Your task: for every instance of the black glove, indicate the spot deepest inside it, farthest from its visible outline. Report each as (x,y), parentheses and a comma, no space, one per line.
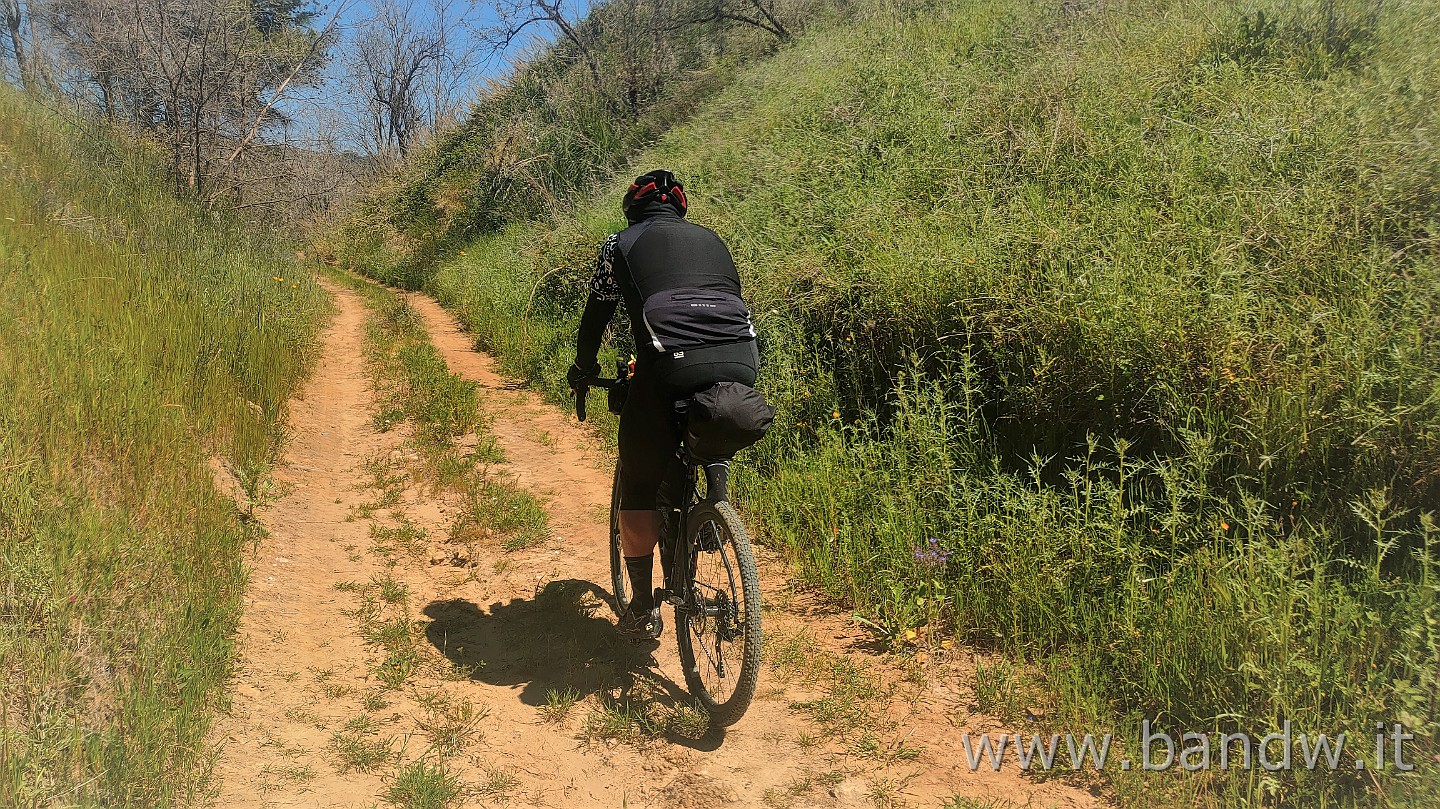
(577,376)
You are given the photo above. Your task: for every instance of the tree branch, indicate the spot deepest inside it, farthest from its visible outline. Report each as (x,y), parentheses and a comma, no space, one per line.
(294,71)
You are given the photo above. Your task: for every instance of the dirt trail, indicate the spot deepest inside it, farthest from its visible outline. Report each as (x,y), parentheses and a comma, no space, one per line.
(527,624)
(293,627)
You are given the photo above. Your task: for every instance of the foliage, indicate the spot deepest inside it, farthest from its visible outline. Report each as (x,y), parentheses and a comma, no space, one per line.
(141,349)
(422,785)
(200,78)
(419,385)
(555,129)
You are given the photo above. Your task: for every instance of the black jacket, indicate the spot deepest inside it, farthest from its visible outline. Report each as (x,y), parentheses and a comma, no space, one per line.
(660,252)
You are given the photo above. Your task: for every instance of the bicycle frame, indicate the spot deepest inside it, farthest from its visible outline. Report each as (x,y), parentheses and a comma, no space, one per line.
(716,606)
(683,479)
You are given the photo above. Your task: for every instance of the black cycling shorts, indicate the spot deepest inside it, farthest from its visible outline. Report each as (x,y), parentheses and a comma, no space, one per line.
(648,439)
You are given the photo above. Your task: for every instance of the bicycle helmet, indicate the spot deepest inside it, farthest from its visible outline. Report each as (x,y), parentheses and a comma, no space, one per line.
(653,186)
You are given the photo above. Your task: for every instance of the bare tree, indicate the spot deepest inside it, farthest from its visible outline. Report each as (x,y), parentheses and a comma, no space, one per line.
(639,42)
(565,19)
(308,57)
(13,13)
(406,69)
(452,74)
(761,14)
(204,77)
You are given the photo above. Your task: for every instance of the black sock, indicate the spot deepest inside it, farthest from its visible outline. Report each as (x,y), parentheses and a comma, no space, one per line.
(642,592)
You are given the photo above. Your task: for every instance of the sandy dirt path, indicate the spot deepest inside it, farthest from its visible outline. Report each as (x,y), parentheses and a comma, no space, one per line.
(297,646)
(523,626)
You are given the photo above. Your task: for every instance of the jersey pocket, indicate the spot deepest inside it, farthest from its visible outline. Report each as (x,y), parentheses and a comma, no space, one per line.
(686,318)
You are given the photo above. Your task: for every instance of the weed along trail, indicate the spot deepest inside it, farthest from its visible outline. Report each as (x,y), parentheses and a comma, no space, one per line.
(427,624)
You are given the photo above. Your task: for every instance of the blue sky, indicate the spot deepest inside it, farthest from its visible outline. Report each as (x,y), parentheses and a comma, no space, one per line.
(477,13)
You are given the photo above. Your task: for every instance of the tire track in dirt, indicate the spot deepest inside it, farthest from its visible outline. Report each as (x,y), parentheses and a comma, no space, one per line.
(531,623)
(296,645)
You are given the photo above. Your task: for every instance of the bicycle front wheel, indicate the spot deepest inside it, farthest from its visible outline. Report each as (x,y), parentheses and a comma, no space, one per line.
(619,584)
(717,628)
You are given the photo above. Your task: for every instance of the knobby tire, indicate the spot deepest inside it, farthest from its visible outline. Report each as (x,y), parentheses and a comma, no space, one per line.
(619,578)
(744,649)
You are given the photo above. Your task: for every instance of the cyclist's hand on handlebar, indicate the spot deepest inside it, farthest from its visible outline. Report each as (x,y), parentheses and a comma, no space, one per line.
(576,377)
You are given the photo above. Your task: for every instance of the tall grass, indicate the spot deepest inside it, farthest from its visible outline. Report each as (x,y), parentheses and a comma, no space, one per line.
(1105,335)
(137,343)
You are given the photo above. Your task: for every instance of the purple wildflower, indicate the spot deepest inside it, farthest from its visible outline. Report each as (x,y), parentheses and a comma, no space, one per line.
(931,554)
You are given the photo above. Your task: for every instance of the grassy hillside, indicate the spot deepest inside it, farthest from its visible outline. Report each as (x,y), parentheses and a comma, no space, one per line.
(138,345)
(552,130)
(1131,311)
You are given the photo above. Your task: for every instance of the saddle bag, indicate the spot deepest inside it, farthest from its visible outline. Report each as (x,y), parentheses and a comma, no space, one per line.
(726,418)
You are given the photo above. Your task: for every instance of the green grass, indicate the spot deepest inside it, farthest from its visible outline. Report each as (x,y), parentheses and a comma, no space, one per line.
(624,719)
(392,592)
(382,613)
(394,640)
(852,700)
(802,787)
(495,504)
(961,802)
(450,724)
(558,704)
(1000,689)
(1105,337)
(404,538)
(418,388)
(417,385)
(634,717)
(138,340)
(359,747)
(424,786)
(499,784)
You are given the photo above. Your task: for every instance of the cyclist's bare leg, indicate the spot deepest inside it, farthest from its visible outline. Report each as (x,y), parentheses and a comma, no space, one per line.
(639,532)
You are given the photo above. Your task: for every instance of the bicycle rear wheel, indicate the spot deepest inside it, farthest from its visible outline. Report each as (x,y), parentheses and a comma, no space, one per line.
(717,629)
(619,583)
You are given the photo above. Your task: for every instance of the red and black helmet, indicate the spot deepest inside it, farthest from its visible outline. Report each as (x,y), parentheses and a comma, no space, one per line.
(658,185)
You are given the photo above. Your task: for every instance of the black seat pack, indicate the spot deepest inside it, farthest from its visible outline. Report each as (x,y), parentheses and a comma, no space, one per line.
(726,418)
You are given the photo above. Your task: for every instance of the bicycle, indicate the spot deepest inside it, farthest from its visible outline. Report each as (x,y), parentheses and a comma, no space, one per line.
(712,583)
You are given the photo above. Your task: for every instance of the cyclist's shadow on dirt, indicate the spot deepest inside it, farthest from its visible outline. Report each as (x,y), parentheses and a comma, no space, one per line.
(560,641)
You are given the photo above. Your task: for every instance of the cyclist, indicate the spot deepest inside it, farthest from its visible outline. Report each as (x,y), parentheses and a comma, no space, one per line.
(691,330)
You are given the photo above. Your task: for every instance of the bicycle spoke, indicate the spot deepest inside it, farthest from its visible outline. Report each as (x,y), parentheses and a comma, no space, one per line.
(720,601)
(721,642)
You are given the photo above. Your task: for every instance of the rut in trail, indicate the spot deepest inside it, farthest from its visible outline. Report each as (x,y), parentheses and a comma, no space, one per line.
(503,633)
